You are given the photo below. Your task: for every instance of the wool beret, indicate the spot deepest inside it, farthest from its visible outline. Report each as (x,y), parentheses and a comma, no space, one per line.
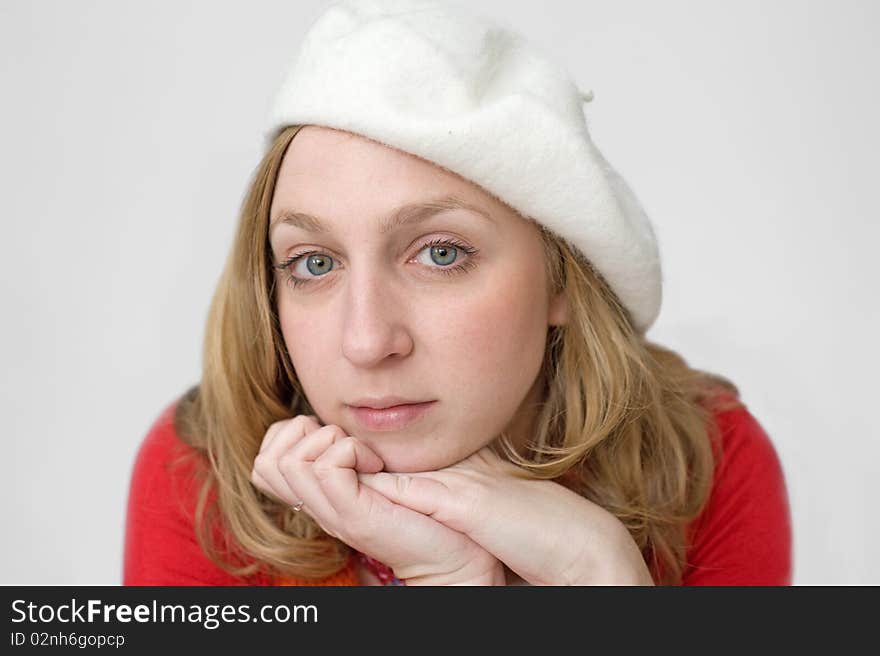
(475,97)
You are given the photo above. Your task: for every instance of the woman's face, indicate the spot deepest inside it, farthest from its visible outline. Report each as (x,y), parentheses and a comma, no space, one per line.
(449,307)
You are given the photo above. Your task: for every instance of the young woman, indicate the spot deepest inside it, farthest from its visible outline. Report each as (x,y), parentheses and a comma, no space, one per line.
(426,362)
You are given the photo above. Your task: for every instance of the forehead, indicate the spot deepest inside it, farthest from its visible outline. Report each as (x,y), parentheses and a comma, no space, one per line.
(331,172)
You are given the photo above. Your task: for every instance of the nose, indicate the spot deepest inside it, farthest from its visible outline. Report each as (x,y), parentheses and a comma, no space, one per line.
(375,320)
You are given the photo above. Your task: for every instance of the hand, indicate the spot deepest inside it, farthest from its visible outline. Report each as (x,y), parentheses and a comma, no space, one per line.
(301,461)
(541,530)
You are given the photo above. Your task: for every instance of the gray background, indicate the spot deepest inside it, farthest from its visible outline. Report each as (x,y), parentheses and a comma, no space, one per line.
(129,131)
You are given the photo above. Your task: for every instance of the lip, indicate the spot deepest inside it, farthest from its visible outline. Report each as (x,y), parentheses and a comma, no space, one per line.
(390,418)
(382,402)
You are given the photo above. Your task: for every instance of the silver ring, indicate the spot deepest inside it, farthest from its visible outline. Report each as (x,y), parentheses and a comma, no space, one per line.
(298,507)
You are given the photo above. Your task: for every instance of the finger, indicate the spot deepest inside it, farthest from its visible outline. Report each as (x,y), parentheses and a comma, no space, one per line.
(266,462)
(336,471)
(423,495)
(366,519)
(459,502)
(271,432)
(276,428)
(295,468)
(263,486)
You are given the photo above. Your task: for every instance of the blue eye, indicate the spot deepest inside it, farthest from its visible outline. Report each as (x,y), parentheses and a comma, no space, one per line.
(318,261)
(443,255)
(443,252)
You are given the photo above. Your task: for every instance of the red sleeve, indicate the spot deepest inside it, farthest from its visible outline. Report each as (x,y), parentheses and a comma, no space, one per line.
(743,536)
(160,542)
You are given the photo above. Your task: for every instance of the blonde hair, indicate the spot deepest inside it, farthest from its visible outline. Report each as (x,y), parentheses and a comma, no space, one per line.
(625,423)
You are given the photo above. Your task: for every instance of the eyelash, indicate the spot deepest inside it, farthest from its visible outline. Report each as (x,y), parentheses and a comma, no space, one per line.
(443,270)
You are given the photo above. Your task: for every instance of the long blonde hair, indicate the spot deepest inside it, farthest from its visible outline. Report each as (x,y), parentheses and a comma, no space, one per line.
(624,422)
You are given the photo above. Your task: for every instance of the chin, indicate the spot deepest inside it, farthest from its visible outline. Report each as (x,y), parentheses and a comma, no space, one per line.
(402,459)
(409,463)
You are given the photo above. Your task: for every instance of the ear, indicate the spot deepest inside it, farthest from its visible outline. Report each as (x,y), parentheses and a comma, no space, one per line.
(557,314)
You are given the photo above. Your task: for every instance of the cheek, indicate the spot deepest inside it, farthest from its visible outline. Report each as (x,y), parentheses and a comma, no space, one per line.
(497,337)
(305,340)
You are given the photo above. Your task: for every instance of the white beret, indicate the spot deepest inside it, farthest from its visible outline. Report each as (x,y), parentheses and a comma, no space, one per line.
(476,98)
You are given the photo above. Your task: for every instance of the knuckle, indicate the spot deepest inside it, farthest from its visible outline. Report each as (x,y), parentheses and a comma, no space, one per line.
(288,462)
(322,468)
(402,483)
(276,425)
(260,484)
(339,444)
(274,429)
(347,444)
(300,421)
(321,464)
(295,426)
(261,462)
(335,431)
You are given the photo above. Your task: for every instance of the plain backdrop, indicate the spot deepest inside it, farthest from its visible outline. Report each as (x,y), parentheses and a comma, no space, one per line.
(129,131)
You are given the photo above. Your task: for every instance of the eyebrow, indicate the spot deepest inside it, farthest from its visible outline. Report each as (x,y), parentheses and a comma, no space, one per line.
(405,215)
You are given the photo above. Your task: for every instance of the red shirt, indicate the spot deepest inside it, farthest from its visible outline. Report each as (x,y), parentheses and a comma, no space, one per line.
(743,537)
